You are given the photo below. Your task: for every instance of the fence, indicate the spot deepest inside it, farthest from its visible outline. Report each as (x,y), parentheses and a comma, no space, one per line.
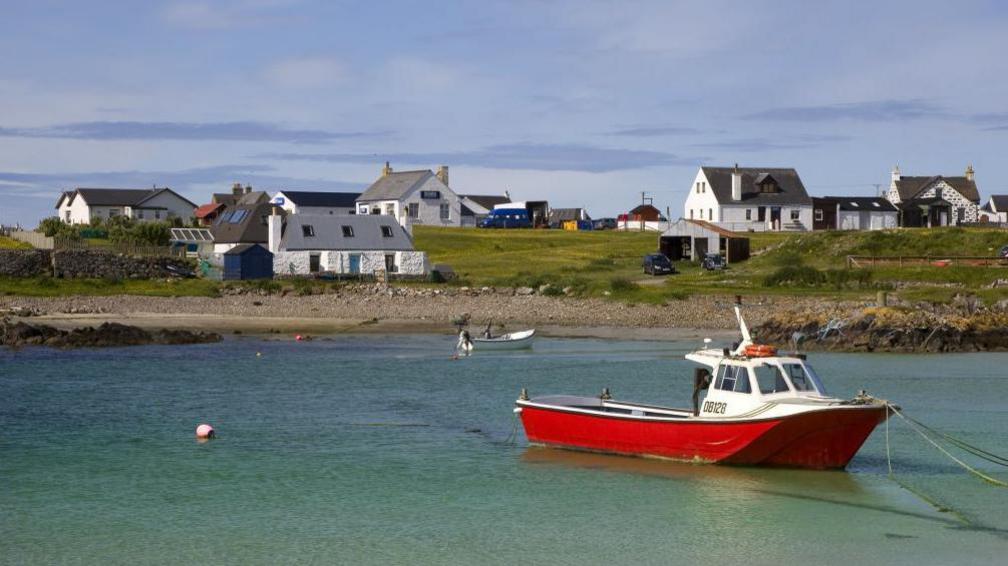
(37,240)
(919,260)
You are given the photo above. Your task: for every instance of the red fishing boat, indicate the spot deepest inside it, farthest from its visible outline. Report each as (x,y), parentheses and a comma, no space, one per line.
(761,408)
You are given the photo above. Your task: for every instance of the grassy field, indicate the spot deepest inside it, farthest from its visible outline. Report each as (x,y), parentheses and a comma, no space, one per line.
(12,244)
(609,263)
(52,287)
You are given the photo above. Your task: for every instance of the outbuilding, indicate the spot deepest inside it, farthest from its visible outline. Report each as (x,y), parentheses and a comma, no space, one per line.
(691,239)
(248,261)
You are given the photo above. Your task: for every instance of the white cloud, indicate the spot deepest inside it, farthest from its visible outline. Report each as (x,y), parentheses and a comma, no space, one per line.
(306,72)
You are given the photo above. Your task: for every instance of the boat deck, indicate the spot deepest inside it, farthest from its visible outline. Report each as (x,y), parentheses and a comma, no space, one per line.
(596,404)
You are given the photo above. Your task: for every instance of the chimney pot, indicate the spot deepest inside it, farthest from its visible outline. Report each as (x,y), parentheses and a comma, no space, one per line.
(236,189)
(969,172)
(387,170)
(442,173)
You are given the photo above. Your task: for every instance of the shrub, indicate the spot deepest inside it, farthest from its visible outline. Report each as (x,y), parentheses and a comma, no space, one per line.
(622,285)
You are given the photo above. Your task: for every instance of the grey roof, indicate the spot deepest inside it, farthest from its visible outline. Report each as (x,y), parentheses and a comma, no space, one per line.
(227,199)
(486,201)
(395,185)
(249,230)
(909,187)
(1000,202)
(253,198)
(118,197)
(328,229)
(876,204)
(322,199)
(792,191)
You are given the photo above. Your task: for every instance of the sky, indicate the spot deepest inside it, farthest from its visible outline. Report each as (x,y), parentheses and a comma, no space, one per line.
(581,103)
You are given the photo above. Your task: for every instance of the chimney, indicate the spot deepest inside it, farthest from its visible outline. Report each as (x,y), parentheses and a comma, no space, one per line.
(969,172)
(736,184)
(895,174)
(236,189)
(386,171)
(442,173)
(248,189)
(274,227)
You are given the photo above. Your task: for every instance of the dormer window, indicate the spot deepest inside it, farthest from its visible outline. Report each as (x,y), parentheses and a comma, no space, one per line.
(766,184)
(308,230)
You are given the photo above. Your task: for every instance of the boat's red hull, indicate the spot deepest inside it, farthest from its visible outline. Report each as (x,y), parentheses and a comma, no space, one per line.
(820,439)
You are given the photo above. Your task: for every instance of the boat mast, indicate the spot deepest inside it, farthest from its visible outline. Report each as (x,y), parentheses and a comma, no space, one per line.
(746,337)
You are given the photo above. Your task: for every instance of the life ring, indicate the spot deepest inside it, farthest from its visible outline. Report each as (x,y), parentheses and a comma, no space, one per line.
(760,351)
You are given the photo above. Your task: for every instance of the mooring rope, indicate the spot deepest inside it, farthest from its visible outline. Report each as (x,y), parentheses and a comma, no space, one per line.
(918,428)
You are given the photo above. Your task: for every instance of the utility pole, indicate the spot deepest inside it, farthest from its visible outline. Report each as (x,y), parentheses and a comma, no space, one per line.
(878,189)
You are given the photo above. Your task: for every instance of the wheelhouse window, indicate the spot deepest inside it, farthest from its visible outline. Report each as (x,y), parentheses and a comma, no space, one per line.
(770,379)
(803,378)
(347,231)
(733,378)
(308,230)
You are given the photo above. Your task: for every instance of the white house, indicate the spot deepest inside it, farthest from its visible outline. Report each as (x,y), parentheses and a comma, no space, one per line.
(996,209)
(416,197)
(854,213)
(303,244)
(750,199)
(936,200)
(81,205)
(312,202)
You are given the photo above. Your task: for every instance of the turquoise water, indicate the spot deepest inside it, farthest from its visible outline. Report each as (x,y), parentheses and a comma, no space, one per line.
(380,449)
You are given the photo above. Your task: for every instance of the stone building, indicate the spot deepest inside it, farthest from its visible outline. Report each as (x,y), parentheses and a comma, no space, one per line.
(935,200)
(413,197)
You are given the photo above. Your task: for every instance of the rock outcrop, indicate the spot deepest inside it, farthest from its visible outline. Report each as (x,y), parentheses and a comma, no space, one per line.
(18,334)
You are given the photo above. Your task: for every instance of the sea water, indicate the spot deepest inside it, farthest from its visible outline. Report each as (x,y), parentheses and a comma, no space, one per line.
(384,450)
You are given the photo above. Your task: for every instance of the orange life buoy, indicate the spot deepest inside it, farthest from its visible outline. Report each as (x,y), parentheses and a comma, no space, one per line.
(760,350)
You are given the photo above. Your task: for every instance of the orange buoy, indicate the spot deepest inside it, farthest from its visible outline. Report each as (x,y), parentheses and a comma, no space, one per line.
(760,350)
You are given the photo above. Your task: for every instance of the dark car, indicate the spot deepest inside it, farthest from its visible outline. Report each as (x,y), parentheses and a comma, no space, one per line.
(713,262)
(1003,252)
(658,264)
(507,218)
(604,224)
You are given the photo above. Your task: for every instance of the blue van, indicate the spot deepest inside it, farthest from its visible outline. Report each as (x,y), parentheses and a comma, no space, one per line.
(507,218)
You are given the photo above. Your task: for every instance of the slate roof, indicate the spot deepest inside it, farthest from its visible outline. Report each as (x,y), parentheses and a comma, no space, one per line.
(792,191)
(395,185)
(1000,202)
(851,204)
(909,187)
(557,215)
(117,197)
(486,201)
(227,199)
(328,229)
(249,230)
(322,199)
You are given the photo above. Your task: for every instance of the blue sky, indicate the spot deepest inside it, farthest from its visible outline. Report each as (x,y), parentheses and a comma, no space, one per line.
(583,103)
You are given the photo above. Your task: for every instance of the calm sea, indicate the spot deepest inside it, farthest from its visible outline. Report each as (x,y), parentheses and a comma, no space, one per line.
(382,450)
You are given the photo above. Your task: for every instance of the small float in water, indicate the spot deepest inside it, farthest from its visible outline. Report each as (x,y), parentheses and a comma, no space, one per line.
(761,408)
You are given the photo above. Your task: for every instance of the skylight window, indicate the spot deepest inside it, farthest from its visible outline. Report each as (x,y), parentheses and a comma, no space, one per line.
(386,231)
(237,216)
(854,204)
(876,205)
(308,230)
(347,231)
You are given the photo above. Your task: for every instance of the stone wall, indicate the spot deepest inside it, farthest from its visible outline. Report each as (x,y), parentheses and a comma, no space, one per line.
(97,264)
(25,263)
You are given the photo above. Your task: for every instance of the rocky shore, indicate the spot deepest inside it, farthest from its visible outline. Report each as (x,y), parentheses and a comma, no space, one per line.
(19,334)
(921,328)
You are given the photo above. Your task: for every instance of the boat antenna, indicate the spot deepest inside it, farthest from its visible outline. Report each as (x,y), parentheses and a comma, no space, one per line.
(746,338)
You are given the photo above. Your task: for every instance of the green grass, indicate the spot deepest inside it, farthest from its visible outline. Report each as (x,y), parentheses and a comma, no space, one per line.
(52,287)
(12,244)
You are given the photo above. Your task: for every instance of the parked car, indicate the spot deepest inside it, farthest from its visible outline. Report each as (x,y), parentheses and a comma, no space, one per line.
(713,262)
(1003,252)
(507,218)
(658,264)
(604,224)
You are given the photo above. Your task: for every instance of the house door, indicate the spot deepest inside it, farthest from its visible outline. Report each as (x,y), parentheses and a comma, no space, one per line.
(390,266)
(314,261)
(355,263)
(864,220)
(775,218)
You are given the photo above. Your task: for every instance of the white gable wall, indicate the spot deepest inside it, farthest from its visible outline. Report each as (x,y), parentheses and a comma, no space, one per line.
(701,204)
(173,205)
(428,210)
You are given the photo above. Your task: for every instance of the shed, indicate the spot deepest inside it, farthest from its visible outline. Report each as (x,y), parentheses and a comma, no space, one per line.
(691,239)
(248,261)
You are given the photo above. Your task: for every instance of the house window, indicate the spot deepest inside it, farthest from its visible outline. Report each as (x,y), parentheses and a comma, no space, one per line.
(748,214)
(140,214)
(363,209)
(413,210)
(386,231)
(314,263)
(710,214)
(761,214)
(308,230)
(818,215)
(432,195)
(157,215)
(347,231)
(390,209)
(691,214)
(113,212)
(703,186)
(68,216)
(445,211)
(795,214)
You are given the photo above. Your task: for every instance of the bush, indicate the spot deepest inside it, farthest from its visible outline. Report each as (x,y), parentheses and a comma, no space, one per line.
(622,285)
(805,276)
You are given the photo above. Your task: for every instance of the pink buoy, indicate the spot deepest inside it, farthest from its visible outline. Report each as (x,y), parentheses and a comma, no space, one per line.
(299,338)
(204,431)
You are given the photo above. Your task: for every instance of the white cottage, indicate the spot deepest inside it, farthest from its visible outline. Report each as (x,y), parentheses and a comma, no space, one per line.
(413,197)
(317,202)
(936,200)
(853,213)
(304,244)
(996,209)
(82,205)
(750,199)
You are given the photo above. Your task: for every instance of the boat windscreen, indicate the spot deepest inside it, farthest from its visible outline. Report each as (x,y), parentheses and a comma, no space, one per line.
(802,379)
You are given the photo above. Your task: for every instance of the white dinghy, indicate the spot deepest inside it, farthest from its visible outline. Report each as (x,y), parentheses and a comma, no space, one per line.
(510,341)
